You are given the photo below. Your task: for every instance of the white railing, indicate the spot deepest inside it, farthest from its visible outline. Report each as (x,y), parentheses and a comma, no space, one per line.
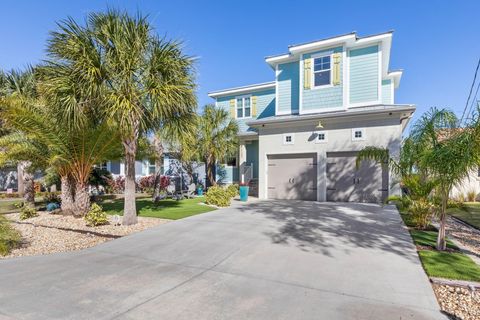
(246,173)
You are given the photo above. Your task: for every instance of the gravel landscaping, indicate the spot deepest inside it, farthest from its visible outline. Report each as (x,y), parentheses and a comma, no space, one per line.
(49,233)
(466,235)
(459,303)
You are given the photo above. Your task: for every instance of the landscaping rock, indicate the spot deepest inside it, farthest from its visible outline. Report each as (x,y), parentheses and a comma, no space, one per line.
(462,303)
(466,235)
(48,233)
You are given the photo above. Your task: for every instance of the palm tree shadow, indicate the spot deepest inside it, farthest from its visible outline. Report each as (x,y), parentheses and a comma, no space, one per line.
(321,226)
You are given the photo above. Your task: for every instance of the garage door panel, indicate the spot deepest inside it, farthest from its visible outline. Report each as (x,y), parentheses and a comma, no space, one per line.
(292,176)
(368,183)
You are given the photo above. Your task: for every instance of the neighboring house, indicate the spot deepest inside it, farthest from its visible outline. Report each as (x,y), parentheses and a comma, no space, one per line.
(471,184)
(300,133)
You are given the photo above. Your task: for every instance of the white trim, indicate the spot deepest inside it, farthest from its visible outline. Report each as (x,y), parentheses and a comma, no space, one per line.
(245,89)
(380,65)
(395,76)
(284,138)
(312,79)
(362,138)
(322,110)
(325,133)
(243,106)
(392,92)
(321,43)
(300,84)
(345,80)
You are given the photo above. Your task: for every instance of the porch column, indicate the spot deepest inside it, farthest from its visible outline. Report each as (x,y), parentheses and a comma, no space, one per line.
(242,159)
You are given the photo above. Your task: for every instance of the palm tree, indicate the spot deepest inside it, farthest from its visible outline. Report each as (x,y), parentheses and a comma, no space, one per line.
(40,136)
(217,138)
(442,153)
(140,79)
(20,87)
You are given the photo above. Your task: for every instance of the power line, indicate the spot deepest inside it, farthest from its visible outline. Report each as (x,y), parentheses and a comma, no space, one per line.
(473,102)
(471,90)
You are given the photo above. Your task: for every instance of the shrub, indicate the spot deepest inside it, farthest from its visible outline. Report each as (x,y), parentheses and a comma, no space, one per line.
(51,197)
(422,212)
(471,196)
(232,190)
(460,197)
(217,196)
(27,212)
(96,216)
(145,184)
(116,185)
(9,237)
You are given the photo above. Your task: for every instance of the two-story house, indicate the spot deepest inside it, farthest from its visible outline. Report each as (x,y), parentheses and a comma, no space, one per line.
(300,133)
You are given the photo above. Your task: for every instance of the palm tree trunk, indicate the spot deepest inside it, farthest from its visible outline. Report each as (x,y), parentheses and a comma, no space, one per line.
(20,182)
(67,195)
(441,240)
(28,185)
(130,209)
(210,163)
(158,165)
(82,199)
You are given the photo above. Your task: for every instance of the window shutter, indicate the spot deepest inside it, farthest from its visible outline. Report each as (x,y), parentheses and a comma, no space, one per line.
(337,57)
(307,74)
(254,106)
(233,112)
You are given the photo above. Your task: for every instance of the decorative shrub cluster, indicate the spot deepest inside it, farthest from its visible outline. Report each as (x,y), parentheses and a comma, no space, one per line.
(146,184)
(422,212)
(9,195)
(27,212)
(217,196)
(116,185)
(9,237)
(96,216)
(233,190)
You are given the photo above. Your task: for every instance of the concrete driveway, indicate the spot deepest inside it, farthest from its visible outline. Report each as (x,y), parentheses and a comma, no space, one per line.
(263,260)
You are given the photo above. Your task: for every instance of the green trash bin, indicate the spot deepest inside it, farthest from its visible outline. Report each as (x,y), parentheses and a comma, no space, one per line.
(244,193)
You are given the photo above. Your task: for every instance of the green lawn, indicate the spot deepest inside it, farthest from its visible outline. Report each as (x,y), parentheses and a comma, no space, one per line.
(470,213)
(428,239)
(7,206)
(449,265)
(9,237)
(166,209)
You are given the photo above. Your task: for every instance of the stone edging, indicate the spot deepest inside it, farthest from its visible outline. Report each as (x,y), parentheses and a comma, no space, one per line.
(473,286)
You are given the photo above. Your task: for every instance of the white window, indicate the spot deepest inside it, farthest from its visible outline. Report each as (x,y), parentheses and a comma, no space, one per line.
(358,134)
(243,105)
(321,137)
(322,71)
(288,138)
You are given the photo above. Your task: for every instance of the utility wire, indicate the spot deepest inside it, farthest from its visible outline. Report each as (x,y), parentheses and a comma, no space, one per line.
(473,102)
(471,90)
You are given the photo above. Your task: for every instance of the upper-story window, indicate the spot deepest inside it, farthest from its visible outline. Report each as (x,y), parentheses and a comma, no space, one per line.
(322,71)
(243,107)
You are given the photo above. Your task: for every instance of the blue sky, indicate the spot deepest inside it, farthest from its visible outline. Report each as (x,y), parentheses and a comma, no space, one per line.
(436,43)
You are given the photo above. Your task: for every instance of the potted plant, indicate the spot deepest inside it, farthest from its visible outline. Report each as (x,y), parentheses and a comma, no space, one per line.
(200,189)
(244,191)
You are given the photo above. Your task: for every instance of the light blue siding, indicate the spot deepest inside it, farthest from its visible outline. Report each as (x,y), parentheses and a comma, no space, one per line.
(252,156)
(288,87)
(226,175)
(323,98)
(364,74)
(265,106)
(387,92)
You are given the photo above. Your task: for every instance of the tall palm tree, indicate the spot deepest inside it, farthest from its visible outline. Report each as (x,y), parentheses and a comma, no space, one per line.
(20,87)
(217,138)
(141,79)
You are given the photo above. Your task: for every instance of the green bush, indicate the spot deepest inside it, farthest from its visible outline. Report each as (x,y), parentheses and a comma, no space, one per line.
(471,196)
(96,216)
(217,196)
(9,237)
(27,212)
(422,212)
(232,190)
